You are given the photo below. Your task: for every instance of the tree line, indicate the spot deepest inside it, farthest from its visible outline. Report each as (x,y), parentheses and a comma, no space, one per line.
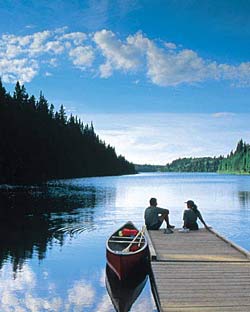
(199,164)
(38,143)
(148,168)
(237,161)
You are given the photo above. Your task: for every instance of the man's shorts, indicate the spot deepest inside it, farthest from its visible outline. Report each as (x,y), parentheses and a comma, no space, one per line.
(155,226)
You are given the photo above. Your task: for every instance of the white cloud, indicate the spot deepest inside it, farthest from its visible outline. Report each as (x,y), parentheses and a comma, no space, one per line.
(23,70)
(55,47)
(170,45)
(171,69)
(223,114)
(239,75)
(82,56)
(118,56)
(164,64)
(22,56)
(106,70)
(77,37)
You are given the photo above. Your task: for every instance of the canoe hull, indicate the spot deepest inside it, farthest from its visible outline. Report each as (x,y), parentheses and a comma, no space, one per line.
(125,264)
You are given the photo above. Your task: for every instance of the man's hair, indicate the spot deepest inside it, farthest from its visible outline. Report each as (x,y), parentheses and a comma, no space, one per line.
(153,201)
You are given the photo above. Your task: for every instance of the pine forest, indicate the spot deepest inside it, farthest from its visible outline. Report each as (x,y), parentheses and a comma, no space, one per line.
(38,143)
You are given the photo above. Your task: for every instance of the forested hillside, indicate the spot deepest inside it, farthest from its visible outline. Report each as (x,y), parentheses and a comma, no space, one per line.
(149,168)
(202,164)
(38,143)
(237,161)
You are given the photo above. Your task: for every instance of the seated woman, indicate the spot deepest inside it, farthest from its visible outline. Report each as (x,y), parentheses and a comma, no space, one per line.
(190,216)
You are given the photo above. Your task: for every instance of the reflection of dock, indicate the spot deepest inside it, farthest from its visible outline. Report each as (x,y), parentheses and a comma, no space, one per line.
(199,271)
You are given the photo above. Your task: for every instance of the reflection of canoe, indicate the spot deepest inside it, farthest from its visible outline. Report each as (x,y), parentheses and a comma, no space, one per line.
(123,293)
(122,261)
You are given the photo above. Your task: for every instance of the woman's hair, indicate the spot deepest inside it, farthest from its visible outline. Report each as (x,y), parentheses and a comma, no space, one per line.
(194,208)
(192,205)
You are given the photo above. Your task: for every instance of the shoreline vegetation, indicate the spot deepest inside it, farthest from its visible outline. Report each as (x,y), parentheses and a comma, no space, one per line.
(237,162)
(38,144)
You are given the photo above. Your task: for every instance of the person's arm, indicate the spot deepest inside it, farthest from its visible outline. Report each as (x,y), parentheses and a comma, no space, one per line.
(185,219)
(201,219)
(162,211)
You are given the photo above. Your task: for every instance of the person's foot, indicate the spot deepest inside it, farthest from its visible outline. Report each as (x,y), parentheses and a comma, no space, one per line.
(184,230)
(168,231)
(170,226)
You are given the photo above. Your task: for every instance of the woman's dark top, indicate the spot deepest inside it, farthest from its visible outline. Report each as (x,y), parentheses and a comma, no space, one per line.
(190,219)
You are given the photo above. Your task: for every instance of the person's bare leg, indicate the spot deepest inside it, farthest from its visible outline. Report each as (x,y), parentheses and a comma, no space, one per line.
(165,217)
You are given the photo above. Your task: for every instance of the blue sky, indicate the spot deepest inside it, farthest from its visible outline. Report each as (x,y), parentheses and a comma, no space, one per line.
(159,79)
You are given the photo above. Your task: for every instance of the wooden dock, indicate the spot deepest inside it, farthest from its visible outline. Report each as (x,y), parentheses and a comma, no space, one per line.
(198,271)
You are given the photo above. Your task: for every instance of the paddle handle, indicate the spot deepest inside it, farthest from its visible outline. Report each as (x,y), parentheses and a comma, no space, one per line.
(142,234)
(127,248)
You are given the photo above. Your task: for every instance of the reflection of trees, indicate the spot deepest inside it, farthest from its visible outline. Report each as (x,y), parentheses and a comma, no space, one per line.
(21,237)
(244,198)
(30,219)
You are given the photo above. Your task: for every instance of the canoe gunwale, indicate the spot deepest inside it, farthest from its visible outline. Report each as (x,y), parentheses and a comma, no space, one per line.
(129,253)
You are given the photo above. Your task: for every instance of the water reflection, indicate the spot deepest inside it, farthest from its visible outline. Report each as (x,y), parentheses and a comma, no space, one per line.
(22,294)
(54,197)
(244,198)
(66,223)
(123,293)
(33,218)
(35,292)
(19,239)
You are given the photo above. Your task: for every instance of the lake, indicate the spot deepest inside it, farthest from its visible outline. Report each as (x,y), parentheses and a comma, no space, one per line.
(52,255)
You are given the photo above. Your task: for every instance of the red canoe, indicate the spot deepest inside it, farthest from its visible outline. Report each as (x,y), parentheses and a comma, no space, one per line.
(126,249)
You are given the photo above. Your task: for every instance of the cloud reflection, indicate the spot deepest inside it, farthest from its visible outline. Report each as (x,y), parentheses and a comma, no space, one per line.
(19,294)
(80,295)
(105,304)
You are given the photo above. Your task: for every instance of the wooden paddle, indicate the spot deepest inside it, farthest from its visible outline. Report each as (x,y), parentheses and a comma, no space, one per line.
(137,235)
(142,234)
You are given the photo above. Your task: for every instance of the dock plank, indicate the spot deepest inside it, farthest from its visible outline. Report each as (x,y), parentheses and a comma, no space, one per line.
(199,245)
(199,271)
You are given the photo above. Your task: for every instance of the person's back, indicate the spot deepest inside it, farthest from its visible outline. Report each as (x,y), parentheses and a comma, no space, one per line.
(190,219)
(154,216)
(190,216)
(151,216)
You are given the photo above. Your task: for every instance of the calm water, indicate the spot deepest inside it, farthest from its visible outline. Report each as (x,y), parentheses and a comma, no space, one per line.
(53,257)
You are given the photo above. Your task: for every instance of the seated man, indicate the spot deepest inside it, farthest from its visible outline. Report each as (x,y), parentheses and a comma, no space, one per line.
(154,216)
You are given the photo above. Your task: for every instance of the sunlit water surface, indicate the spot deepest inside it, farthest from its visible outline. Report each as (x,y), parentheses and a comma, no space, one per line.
(56,261)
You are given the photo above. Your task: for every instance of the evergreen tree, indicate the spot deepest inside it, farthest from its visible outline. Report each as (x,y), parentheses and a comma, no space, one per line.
(2,93)
(237,161)
(62,115)
(38,144)
(42,105)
